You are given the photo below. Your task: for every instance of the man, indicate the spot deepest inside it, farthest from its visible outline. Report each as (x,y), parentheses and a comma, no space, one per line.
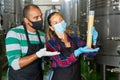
(25,47)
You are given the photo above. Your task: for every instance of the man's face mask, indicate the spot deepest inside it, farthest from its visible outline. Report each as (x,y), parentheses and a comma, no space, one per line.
(37,25)
(60,27)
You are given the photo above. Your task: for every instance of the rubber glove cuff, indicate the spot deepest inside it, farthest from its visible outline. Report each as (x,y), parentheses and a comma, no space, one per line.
(94,35)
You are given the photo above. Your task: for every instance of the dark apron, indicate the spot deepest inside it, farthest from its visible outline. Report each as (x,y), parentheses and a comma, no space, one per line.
(34,70)
(68,73)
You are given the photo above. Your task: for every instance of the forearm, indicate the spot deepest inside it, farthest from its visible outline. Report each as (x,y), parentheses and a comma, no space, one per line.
(24,61)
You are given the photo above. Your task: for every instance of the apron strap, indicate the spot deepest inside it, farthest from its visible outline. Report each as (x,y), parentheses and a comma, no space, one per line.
(26,33)
(39,38)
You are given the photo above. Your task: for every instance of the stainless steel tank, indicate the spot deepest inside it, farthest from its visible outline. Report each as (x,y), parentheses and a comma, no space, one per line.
(107,22)
(69,10)
(12,14)
(1,7)
(49,11)
(83,9)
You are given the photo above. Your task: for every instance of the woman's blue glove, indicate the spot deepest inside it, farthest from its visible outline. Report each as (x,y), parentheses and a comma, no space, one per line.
(94,35)
(85,49)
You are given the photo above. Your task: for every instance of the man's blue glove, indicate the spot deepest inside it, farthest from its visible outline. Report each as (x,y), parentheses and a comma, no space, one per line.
(94,35)
(85,49)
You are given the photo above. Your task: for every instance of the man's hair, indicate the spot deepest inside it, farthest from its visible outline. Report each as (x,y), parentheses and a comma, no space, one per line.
(27,9)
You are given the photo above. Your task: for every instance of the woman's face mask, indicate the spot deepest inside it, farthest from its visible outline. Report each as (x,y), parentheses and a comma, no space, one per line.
(60,27)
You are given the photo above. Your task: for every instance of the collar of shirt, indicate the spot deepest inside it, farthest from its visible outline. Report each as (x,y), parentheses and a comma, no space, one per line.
(61,44)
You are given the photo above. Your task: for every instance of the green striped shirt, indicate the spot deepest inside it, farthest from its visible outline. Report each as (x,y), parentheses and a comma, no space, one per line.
(17,46)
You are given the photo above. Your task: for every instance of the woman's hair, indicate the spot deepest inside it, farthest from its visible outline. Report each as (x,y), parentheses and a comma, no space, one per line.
(50,15)
(50,33)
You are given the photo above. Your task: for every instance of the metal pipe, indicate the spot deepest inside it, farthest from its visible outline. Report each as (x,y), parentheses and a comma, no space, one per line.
(48,4)
(104,72)
(15,9)
(114,70)
(119,76)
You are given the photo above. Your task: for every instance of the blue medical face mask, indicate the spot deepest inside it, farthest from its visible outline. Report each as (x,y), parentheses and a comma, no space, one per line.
(60,27)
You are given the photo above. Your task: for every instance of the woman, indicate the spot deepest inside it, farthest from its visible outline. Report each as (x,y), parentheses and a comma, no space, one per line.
(66,66)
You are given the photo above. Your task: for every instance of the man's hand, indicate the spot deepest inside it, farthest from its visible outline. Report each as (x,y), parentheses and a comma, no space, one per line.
(43,52)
